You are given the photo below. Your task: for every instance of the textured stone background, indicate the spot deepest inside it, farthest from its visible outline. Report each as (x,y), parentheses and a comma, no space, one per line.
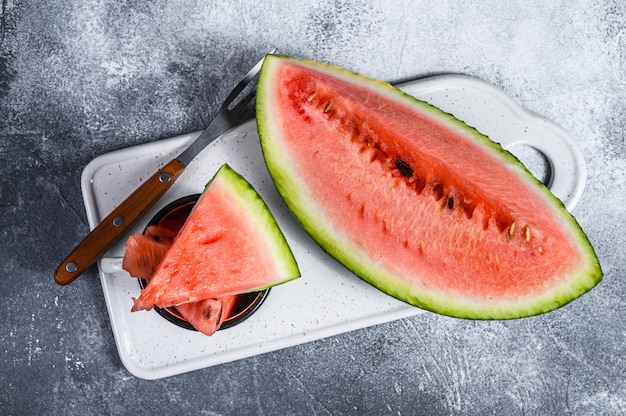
(81,78)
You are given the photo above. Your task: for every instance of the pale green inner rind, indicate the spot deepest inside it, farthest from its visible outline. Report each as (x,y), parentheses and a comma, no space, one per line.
(285,175)
(265,222)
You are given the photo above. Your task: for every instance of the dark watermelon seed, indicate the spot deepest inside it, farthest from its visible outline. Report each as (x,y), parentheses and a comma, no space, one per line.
(450,203)
(404,168)
(438,191)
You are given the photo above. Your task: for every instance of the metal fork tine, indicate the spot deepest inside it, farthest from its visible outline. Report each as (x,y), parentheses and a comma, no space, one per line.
(244,83)
(243,108)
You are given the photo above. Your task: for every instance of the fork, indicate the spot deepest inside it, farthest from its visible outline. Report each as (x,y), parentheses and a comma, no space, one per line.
(114,225)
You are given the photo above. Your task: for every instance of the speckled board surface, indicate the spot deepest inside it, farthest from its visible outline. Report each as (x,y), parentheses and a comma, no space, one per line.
(82,78)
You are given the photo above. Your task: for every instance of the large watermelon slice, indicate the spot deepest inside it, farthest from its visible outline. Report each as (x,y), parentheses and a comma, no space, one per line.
(230,244)
(413,200)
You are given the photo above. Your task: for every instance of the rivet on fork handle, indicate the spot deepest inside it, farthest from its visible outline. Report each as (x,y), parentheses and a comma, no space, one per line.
(113,227)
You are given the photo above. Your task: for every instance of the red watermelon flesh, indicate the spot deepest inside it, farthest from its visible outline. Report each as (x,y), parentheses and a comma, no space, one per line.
(207,315)
(414,201)
(143,254)
(230,244)
(165,230)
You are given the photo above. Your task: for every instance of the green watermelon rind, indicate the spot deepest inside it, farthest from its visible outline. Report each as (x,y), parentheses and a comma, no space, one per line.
(257,209)
(281,169)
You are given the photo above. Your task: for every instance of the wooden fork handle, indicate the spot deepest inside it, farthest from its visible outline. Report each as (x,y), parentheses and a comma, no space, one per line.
(109,231)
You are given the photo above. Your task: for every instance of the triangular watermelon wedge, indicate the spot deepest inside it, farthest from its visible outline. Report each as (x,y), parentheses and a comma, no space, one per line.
(230,244)
(142,256)
(413,200)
